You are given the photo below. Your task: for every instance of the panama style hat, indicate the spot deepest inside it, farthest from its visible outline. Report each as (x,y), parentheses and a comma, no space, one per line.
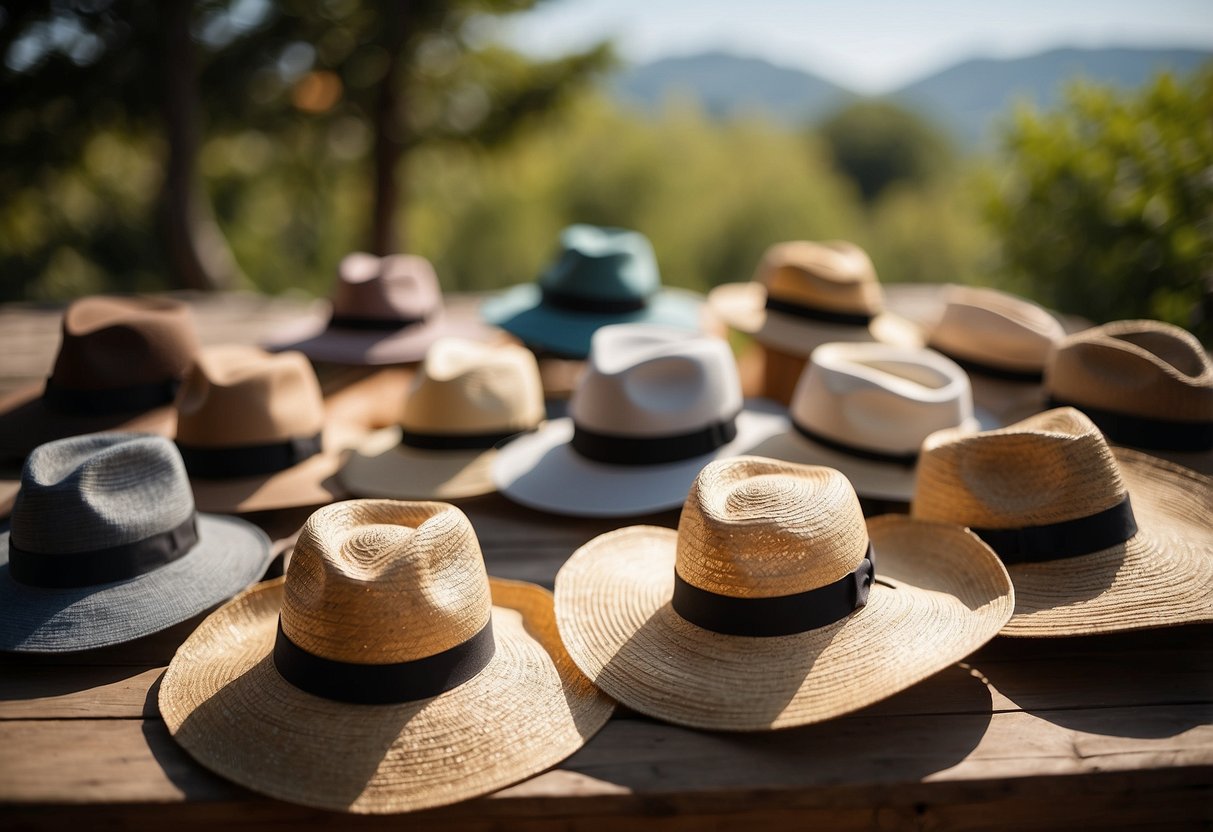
(601,276)
(119,364)
(1146,384)
(865,409)
(774,604)
(1097,540)
(385,673)
(106,547)
(251,428)
(465,399)
(654,406)
(385,310)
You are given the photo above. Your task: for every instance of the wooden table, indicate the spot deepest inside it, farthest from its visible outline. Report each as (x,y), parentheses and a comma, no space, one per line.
(1089,733)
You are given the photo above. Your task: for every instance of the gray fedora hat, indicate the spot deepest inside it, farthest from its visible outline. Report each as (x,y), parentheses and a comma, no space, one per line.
(106,546)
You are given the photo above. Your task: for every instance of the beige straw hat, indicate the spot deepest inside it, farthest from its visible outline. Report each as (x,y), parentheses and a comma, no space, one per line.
(465,399)
(251,428)
(760,612)
(1146,384)
(1096,540)
(805,294)
(866,408)
(385,673)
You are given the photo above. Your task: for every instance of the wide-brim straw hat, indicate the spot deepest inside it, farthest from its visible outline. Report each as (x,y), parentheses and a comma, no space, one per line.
(939,594)
(528,708)
(1053,469)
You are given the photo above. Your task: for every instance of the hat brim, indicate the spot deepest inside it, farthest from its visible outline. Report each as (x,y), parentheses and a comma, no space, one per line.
(521,312)
(542,471)
(364,347)
(742,306)
(382,467)
(940,593)
(1160,577)
(230,554)
(529,708)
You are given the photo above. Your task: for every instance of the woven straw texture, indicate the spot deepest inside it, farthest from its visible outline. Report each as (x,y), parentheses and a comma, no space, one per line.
(225,703)
(1055,467)
(755,528)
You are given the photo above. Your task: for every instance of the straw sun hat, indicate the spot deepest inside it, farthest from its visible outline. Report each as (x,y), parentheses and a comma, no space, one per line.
(385,673)
(760,612)
(106,547)
(1146,384)
(465,399)
(1097,540)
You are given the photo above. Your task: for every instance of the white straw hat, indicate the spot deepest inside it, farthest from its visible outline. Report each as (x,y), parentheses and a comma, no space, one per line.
(465,399)
(653,407)
(1096,540)
(866,408)
(385,673)
(761,611)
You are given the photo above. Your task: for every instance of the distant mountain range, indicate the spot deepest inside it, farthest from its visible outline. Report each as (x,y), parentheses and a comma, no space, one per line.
(965,99)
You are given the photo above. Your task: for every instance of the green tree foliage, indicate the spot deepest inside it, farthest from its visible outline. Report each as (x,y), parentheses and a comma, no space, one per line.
(1105,205)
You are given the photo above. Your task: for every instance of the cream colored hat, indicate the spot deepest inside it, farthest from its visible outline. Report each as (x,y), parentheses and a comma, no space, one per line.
(866,408)
(654,406)
(251,429)
(761,611)
(465,399)
(1096,540)
(1146,384)
(385,673)
(806,294)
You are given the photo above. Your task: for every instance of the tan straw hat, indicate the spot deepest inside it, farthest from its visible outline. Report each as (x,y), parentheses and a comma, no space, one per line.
(761,611)
(119,364)
(804,294)
(251,428)
(385,673)
(1096,540)
(866,408)
(465,399)
(1146,384)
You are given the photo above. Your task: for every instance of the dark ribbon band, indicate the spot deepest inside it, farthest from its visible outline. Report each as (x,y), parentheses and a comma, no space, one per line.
(814,313)
(1068,539)
(383,684)
(907,460)
(779,616)
(247,460)
(453,441)
(652,450)
(989,370)
(371,324)
(1146,432)
(101,566)
(116,400)
(594,306)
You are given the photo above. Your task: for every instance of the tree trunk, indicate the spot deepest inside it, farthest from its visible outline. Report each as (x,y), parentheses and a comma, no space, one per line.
(390,133)
(198,254)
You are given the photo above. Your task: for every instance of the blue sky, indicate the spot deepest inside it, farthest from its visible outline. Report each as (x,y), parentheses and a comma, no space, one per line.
(872,46)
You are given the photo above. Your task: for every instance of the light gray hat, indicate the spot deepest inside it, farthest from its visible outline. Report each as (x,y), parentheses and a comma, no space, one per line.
(106,547)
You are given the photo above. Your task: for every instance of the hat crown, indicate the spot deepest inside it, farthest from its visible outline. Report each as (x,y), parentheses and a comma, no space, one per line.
(98,491)
(384,581)
(1145,368)
(996,328)
(468,387)
(241,395)
(1049,468)
(600,263)
(834,275)
(111,342)
(644,380)
(879,396)
(759,528)
(396,287)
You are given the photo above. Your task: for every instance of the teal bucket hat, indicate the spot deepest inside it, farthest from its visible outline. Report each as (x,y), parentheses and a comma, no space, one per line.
(602,276)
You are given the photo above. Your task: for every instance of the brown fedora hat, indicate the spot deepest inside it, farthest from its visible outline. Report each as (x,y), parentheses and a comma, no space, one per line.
(1146,384)
(119,365)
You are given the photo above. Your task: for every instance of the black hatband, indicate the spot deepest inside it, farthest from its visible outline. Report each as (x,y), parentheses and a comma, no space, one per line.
(1145,431)
(981,368)
(247,460)
(371,324)
(594,306)
(383,684)
(814,313)
(616,449)
(453,441)
(114,400)
(1067,539)
(101,566)
(907,460)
